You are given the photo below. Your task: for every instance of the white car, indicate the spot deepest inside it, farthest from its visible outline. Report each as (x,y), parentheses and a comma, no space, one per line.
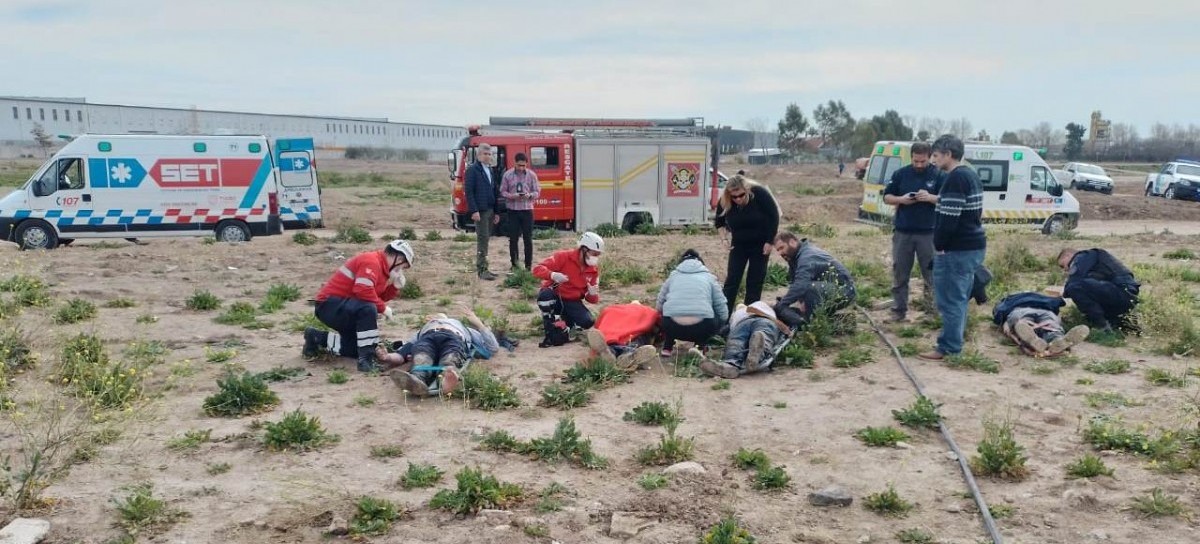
(1088,177)
(1177,180)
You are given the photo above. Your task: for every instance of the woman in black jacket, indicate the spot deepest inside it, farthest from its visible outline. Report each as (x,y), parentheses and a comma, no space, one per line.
(748,217)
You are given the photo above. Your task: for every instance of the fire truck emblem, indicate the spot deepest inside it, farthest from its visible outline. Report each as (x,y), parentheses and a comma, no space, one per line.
(684,177)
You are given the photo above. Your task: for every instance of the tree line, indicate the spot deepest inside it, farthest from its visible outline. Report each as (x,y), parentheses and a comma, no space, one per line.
(833,130)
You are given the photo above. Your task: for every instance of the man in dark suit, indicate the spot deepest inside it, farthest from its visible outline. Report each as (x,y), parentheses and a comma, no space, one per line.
(482,191)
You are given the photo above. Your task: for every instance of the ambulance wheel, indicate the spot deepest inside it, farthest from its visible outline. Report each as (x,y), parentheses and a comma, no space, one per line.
(1055,225)
(35,234)
(232,230)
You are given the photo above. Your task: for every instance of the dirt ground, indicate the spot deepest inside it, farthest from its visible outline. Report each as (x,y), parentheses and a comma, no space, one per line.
(803,419)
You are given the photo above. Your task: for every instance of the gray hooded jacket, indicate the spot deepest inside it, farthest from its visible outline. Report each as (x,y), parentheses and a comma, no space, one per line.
(692,291)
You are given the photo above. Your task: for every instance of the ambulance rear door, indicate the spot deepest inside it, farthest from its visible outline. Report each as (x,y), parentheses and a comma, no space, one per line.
(300,197)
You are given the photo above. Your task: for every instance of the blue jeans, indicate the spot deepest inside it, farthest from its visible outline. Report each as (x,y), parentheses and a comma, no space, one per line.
(953,277)
(738,344)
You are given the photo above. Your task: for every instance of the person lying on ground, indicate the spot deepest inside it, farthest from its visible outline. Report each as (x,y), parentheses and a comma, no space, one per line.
(1031,320)
(352,301)
(569,277)
(816,280)
(754,332)
(442,342)
(692,303)
(1102,287)
(623,335)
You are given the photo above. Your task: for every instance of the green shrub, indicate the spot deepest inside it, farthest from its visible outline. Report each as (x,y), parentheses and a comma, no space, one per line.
(297,431)
(219,355)
(29,291)
(915,536)
(349,233)
(813,230)
(854,357)
(795,355)
(1111,366)
(923,413)
(16,354)
(909,332)
(305,238)
(649,229)
(887,503)
(412,289)
(482,391)
(279,295)
(120,302)
(770,479)
(240,395)
(1158,376)
(190,441)
(653,480)
(596,373)
(1181,254)
(877,437)
(623,273)
(566,444)
(373,516)
(203,301)
(476,491)
(241,314)
(670,449)
(407,233)
(727,532)
(1158,504)
(973,360)
(566,398)
(338,376)
(433,236)
(999,453)
(609,230)
(141,510)
(652,413)
(1088,466)
(420,476)
(281,374)
(463,237)
(502,442)
(751,459)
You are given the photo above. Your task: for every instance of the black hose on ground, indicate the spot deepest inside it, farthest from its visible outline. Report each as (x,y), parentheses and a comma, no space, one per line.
(989,524)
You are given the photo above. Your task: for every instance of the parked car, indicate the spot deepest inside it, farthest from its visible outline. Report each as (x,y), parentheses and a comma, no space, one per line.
(1176,180)
(1087,177)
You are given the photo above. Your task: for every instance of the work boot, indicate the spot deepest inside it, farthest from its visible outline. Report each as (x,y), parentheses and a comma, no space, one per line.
(1074,336)
(314,339)
(1028,336)
(410,383)
(487,275)
(633,360)
(599,348)
(366,360)
(756,351)
(932,355)
(896,317)
(718,369)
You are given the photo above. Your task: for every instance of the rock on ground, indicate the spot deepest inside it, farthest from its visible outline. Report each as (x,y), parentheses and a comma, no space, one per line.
(686,467)
(831,496)
(627,525)
(24,531)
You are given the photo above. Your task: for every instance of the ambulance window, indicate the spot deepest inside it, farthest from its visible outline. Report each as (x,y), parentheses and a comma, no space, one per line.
(993,175)
(543,158)
(1039,178)
(893,164)
(875,171)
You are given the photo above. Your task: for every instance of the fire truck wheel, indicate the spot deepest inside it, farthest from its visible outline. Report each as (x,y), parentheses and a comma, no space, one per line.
(232,230)
(36,234)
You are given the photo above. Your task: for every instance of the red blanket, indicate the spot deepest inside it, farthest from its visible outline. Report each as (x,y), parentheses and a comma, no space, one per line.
(621,323)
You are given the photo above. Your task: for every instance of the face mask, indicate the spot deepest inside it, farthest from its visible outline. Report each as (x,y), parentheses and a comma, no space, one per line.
(592,261)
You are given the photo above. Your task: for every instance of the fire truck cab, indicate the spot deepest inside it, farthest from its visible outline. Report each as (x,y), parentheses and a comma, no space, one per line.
(593,171)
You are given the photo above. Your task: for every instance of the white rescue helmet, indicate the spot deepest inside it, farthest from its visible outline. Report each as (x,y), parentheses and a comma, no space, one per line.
(404,248)
(592,241)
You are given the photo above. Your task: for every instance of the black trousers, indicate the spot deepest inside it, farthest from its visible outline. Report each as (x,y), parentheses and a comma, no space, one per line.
(699,333)
(1101,301)
(739,259)
(355,321)
(572,312)
(520,225)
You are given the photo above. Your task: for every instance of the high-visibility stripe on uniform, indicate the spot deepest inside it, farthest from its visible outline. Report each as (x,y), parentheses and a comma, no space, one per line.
(368,338)
(364,281)
(346,272)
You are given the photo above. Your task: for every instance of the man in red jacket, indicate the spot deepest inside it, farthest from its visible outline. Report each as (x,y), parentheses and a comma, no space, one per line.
(352,301)
(568,278)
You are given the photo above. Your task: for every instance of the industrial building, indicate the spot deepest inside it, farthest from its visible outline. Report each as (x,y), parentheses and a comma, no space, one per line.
(62,118)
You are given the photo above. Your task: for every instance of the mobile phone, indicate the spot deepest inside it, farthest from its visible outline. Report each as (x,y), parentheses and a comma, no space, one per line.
(911,195)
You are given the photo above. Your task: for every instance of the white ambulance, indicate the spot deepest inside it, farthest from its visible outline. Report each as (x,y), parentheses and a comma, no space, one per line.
(146,186)
(1018,186)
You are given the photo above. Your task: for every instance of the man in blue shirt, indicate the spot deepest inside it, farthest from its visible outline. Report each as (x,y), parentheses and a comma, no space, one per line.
(960,243)
(913,191)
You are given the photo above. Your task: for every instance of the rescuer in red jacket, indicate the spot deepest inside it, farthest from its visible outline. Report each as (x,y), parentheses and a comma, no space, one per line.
(352,301)
(569,277)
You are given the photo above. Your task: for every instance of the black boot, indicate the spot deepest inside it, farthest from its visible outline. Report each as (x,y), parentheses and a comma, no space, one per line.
(366,360)
(314,340)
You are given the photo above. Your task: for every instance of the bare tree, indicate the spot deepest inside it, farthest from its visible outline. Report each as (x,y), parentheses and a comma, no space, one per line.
(759,126)
(960,127)
(42,139)
(932,125)
(1042,134)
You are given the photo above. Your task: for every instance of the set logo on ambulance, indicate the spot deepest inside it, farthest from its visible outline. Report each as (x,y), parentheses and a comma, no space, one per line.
(297,164)
(181,173)
(683,179)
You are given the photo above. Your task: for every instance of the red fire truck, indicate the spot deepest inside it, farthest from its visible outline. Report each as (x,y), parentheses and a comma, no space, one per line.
(593,171)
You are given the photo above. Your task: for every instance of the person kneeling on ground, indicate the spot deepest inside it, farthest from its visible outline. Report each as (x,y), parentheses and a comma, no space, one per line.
(816,281)
(753,334)
(622,335)
(1031,320)
(353,299)
(1101,287)
(569,277)
(692,303)
(443,342)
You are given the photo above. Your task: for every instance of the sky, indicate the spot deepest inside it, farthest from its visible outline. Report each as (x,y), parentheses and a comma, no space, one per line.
(1002,65)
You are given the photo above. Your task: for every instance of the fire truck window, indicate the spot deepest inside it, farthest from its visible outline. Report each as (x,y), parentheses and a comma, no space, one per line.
(543,157)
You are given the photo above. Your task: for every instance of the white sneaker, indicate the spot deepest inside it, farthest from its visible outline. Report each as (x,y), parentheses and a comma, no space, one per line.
(599,348)
(756,351)
(1025,333)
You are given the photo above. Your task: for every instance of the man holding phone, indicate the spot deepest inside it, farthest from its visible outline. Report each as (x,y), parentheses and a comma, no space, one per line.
(519,188)
(913,190)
